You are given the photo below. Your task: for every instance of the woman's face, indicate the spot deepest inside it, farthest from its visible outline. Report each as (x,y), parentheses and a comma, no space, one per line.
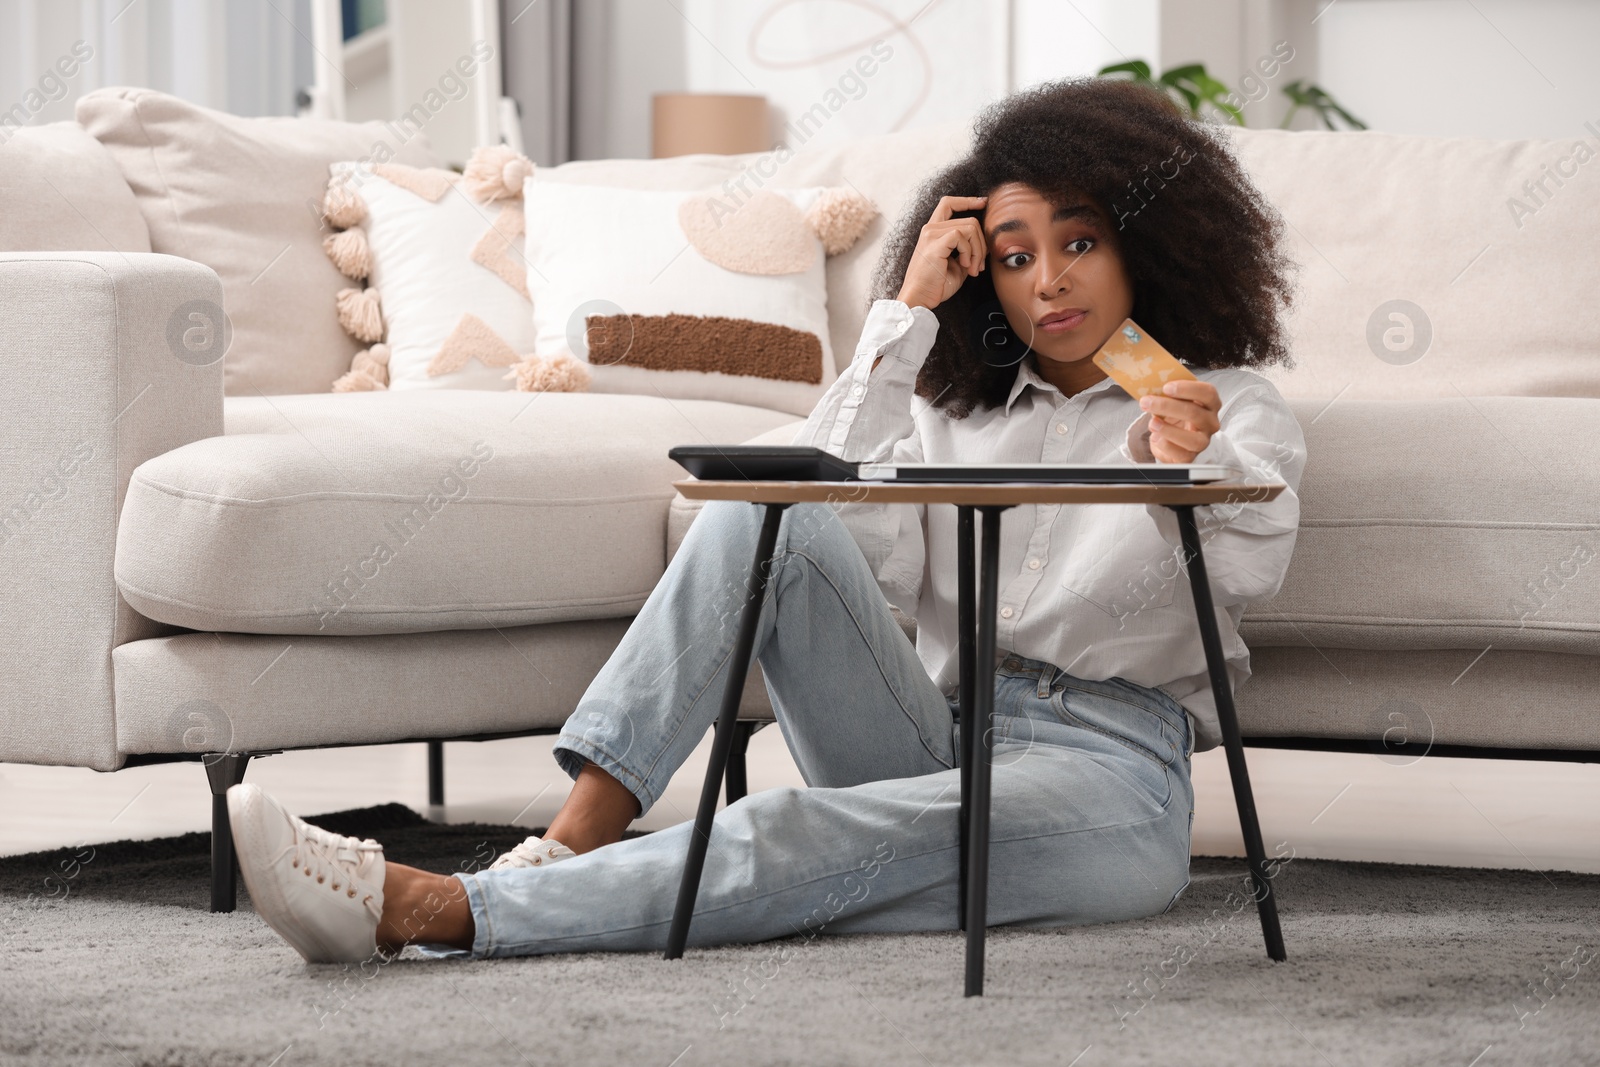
(1058,273)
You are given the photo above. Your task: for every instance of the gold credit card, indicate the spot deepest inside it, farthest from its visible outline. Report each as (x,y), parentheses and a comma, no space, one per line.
(1137,362)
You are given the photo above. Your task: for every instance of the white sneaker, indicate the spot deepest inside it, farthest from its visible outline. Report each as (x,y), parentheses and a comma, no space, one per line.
(322,892)
(533,852)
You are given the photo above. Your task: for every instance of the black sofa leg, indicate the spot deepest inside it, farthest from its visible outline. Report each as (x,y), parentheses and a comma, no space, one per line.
(436,773)
(737,783)
(223,769)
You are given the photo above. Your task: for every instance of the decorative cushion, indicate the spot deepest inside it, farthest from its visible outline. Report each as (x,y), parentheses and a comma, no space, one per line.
(60,191)
(402,511)
(446,289)
(690,295)
(884,168)
(243,196)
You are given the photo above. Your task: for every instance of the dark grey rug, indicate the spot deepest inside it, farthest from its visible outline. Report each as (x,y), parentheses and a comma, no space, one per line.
(112,958)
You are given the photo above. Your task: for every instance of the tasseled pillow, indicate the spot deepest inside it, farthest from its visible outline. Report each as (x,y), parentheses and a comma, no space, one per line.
(560,373)
(361,314)
(439,322)
(369,370)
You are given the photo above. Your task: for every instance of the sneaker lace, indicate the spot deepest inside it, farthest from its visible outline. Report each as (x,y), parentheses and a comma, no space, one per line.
(534,852)
(342,864)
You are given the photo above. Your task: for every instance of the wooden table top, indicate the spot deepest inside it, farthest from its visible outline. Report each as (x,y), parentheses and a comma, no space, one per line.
(986,493)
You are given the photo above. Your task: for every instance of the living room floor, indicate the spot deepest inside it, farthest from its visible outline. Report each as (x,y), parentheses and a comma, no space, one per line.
(1457,812)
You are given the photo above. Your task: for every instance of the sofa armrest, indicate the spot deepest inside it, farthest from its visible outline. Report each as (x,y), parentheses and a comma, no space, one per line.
(109,359)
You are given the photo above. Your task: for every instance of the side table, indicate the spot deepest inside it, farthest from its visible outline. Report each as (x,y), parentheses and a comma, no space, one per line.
(976,643)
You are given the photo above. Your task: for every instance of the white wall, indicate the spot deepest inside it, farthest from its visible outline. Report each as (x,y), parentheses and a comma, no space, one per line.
(1254,47)
(1055,40)
(951,59)
(1491,68)
(649,45)
(936,61)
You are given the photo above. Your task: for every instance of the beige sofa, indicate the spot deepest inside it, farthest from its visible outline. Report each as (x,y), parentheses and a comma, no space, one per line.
(183,549)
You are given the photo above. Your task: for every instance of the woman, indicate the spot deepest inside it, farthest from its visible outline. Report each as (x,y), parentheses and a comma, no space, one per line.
(1080,203)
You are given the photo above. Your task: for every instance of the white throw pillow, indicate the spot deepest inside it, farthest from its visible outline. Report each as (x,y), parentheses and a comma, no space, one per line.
(446,287)
(689,295)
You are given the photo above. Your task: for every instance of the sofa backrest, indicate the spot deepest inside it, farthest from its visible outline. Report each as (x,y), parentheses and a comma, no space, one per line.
(1504,276)
(60,191)
(1502,283)
(1478,254)
(243,196)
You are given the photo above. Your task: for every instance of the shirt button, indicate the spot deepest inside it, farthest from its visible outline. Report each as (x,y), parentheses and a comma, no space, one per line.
(1006,613)
(856,391)
(1061,427)
(1033,564)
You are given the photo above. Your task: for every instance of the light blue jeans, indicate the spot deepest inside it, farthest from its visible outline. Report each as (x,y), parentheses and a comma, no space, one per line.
(1092,803)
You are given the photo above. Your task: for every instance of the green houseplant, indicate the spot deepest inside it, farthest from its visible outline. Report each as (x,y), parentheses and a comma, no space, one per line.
(1193,88)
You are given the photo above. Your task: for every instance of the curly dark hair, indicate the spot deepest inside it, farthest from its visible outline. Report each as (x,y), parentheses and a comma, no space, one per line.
(1203,250)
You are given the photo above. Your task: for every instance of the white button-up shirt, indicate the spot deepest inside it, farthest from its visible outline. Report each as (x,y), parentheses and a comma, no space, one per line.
(1099,590)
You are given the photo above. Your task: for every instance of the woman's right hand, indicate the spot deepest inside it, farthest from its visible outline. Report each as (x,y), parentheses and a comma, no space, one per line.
(948,252)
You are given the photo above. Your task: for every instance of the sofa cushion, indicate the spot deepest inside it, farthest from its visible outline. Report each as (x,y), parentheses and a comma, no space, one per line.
(244,197)
(1435,524)
(60,191)
(401,512)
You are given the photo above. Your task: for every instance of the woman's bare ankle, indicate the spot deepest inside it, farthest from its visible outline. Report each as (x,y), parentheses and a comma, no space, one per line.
(419,906)
(596,812)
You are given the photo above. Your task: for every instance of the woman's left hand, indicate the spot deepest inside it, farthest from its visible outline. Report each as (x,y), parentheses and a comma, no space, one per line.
(1183,420)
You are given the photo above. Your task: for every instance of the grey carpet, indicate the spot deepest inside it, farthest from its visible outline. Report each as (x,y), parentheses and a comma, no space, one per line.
(114,959)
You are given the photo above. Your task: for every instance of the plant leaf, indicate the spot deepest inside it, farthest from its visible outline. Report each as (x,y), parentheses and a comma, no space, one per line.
(1137,67)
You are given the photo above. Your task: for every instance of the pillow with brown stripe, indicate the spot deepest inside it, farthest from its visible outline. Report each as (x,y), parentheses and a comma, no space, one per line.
(696,295)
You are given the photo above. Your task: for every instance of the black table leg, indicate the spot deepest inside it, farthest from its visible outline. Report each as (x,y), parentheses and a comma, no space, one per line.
(722,743)
(983,752)
(1266,899)
(966,643)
